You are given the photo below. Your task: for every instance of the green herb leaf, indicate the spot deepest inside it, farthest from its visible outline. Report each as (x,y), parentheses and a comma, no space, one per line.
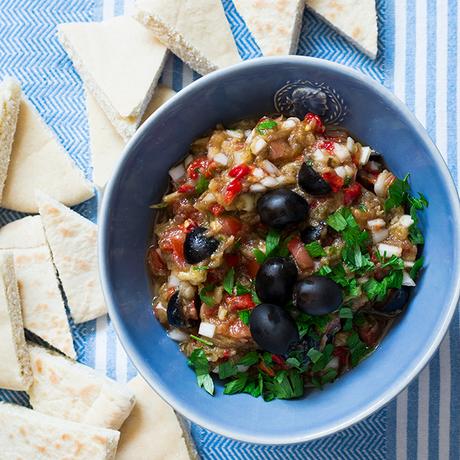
(377,290)
(255,297)
(200,364)
(415,235)
(419,203)
(325,358)
(159,205)
(254,387)
(265,125)
(200,268)
(329,376)
(259,255)
(237,385)
(358,349)
(272,241)
(199,339)
(244,316)
(337,221)
(286,385)
(315,249)
(394,262)
(229,281)
(240,289)
(227,369)
(314,355)
(398,193)
(345,313)
(209,301)
(249,359)
(362,207)
(201,185)
(416,267)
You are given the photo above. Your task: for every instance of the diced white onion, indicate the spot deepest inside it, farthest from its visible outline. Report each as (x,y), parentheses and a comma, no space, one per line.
(406,220)
(270,167)
(341,152)
(250,136)
(257,188)
(258,145)
(221,158)
(341,171)
(207,329)
(188,160)
(173,280)
(281,179)
(333,363)
(236,134)
(177,172)
(222,313)
(289,124)
(269,182)
(209,198)
(247,133)
(408,263)
(258,172)
(374,166)
(350,144)
(407,280)
(379,235)
(349,171)
(383,182)
(376,224)
(365,155)
(177,335)
(242,368)
(318,155)
(388,250)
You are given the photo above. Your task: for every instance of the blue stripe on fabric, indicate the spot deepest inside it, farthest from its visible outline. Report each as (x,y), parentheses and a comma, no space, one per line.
(412,420)
(98,8)
(389,41)
(410,54)
(433,408)
(455,388)
(111,369)
(119,8)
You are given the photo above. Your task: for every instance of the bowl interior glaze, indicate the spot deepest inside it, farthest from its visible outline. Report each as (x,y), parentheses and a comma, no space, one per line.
(381,121)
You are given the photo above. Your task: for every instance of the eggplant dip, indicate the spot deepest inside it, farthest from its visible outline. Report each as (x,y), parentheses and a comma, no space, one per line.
(281,254)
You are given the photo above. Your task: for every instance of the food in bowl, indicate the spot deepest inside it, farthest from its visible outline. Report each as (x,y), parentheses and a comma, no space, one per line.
(282,252)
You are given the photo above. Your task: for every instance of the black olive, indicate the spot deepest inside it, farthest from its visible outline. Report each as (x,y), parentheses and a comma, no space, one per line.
(282,207)
(275,280)
(198,246)
(397,300)
(175,314)
(273,329)
(312,182)
(317,295)
(310,234)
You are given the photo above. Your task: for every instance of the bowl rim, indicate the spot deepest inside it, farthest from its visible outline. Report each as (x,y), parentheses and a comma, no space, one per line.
(103,249)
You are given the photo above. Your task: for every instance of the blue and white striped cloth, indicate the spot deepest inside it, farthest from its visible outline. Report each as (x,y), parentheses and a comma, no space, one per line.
(418,59)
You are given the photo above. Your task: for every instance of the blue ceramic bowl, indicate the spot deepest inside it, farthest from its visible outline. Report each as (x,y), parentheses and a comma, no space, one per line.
(256,87)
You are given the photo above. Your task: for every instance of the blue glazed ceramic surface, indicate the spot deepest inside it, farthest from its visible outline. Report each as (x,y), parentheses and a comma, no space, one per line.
(254,88)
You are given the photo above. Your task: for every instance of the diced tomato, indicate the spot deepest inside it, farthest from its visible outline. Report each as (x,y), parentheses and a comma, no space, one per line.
(156,263)
(231,260)
(335,181)
(279,361)
(343,354)
(315,122)
(230,225)
(370,333)
(279,148)
(327,145)
(173,240)
(186,188)
(189,225)
(240,171)
(233,188)
(351,193)
(300,254)
(199,166)
(240,302)
(252,267)
(264,368)
(217,209)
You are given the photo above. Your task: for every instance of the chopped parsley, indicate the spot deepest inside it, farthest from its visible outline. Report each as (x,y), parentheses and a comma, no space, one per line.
(200,268)
(208,300)
(358,349)
(398,193)
(377,290)
(314,355)
(229,281)
(416,267)
(237,385)
(345,313)
(315,249)
(199,339)
(200,364)
(265,125)
(240,289)
(244,316)
(273,247)
(201,185)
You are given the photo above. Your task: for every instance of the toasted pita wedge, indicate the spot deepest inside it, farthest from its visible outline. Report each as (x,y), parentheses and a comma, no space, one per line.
(39,161)
(10,99)
(152,417)
(355,19)
(275,24)
(106,144)
(64,388)
(120,62)
(73,243)
(43,309)
(195,30)
(15,370)
(30,435)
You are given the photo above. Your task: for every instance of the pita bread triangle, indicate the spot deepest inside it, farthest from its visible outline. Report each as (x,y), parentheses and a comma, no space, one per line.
(275,24)
(43,309)
(195,30)
(355,19)
(73,243)
(39,161)
(120,62)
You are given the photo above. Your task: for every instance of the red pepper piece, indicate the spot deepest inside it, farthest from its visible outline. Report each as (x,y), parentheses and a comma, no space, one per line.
(199,166)
(240,302)
(315,121)
(351,193)
(231,260)
(233,188)
(267,370)
(335,181)
(186,188)
(327,145)
(240,171)
(279,361)
(217,209)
